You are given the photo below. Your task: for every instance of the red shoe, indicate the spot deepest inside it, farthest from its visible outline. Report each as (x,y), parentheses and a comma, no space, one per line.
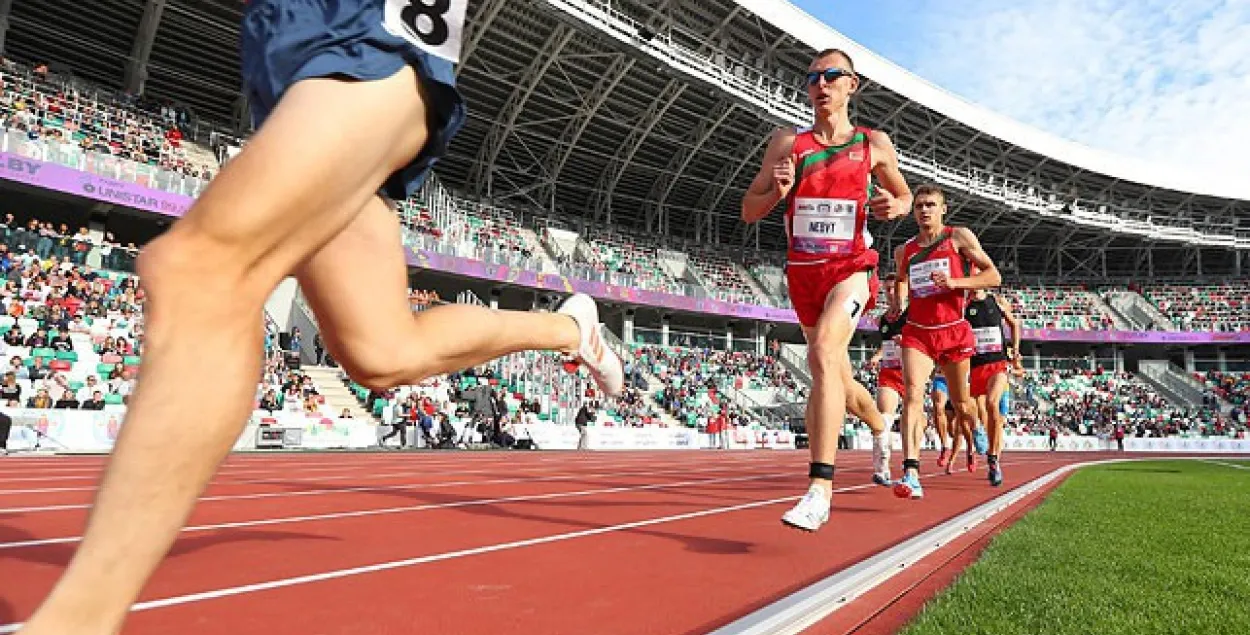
(942,458)
(972,462)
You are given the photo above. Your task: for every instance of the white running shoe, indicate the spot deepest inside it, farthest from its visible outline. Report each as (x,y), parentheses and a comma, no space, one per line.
(811,512)
(881,460)
(593,352)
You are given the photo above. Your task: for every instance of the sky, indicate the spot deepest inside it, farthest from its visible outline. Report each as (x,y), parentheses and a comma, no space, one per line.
(1166,81)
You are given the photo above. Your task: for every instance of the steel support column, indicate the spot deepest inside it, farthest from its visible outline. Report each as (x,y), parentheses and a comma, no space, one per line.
(6,7)
(141,49)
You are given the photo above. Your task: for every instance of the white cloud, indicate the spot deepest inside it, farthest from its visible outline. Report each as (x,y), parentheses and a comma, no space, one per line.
(1162,80)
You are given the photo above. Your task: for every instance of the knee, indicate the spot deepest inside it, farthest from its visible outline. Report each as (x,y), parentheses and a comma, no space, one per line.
(187,263)
(825,355)
(967,409)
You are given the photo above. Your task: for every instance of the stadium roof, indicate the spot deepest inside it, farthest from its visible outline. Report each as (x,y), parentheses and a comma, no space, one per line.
(653,116)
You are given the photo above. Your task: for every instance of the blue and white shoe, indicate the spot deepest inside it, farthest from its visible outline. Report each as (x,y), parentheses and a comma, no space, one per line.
(996,474)
(980,441)
(811,512)
(909,486)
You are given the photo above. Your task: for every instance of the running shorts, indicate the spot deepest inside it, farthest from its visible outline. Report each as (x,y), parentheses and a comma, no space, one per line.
(944,345)
(891,378)
(980,377)
(810,284)
(284,41)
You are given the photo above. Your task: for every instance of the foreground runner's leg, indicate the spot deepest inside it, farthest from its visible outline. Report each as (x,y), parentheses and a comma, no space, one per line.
(826,407)
(917,367)
(287,195)
(369,328)
(994,423)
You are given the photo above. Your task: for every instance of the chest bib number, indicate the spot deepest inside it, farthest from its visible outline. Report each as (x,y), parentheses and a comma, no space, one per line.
(920,276)
(891,355)
(989,339)
(434,26)
(824,225)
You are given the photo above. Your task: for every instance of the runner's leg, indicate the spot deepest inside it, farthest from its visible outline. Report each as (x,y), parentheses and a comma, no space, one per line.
(357,285)
(938,399)
(917,367)
(995,421)
(283,198)
(826,407)
(965,407)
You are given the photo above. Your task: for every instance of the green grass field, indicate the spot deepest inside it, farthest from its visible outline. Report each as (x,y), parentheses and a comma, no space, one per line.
(1129,548)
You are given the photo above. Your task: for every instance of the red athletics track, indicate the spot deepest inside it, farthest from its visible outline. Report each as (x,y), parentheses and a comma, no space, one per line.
(520,542)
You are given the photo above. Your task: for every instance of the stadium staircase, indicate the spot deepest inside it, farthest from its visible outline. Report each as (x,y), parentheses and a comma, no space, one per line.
(1121,322)
(1172,383)
(1139,310)
(794,358)
(540,250)
(772,281)
(336,393)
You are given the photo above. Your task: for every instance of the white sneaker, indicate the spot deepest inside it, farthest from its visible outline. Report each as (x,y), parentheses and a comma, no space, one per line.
(593,353)
(811,512)
(881,459)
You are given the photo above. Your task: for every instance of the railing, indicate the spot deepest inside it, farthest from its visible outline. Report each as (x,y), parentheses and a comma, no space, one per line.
(103,165)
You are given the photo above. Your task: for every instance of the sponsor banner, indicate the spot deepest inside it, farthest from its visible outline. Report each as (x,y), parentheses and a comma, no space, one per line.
(65,179)
(549,436)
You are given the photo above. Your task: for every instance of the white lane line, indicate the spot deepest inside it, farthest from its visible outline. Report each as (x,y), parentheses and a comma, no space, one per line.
(22,544)
(421,470)
(403,487)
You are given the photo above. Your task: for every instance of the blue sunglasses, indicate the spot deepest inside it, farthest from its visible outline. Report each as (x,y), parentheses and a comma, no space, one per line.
(830,74)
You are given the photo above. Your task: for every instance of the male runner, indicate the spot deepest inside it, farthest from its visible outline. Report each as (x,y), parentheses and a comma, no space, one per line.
(988,381)
(933,274)
(824,174)
(357,99)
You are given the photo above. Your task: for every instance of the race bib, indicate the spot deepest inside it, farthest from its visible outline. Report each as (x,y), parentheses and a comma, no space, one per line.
(920,276)
(824,225)
(434,26)
(891,355)
(989,339)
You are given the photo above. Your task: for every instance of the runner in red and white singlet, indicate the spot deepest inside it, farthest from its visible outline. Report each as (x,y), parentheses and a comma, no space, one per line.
(824,174)
(933,274)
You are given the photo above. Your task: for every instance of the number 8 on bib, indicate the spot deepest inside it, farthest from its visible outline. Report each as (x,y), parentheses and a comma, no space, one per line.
(434,26)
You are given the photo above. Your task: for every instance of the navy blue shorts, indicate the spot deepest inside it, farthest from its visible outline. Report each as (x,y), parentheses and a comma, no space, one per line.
(284,41)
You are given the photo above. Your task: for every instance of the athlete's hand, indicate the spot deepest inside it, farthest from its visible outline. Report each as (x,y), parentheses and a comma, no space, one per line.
(944,281)
(783,175)
(885,206)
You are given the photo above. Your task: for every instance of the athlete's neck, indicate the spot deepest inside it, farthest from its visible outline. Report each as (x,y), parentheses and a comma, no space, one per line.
(835,129)
(928,237)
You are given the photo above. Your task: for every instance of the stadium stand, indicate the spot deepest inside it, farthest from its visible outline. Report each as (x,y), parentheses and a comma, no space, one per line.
(60,110)
(1061,307)
(1220,308)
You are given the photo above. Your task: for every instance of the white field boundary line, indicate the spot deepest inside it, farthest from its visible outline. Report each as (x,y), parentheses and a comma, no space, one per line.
(475,551)
(1232,465)
(278,470)
(286,520)
(405,487)
(424,471)
(801,610)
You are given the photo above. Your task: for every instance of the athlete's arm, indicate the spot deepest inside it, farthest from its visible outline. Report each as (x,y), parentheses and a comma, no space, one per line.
(900,280)
(774,179)
(893,199)
(1014,325)
(988,276)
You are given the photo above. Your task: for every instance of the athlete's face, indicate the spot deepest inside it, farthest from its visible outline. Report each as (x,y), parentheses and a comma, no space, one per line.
(830,84)
(929,210)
